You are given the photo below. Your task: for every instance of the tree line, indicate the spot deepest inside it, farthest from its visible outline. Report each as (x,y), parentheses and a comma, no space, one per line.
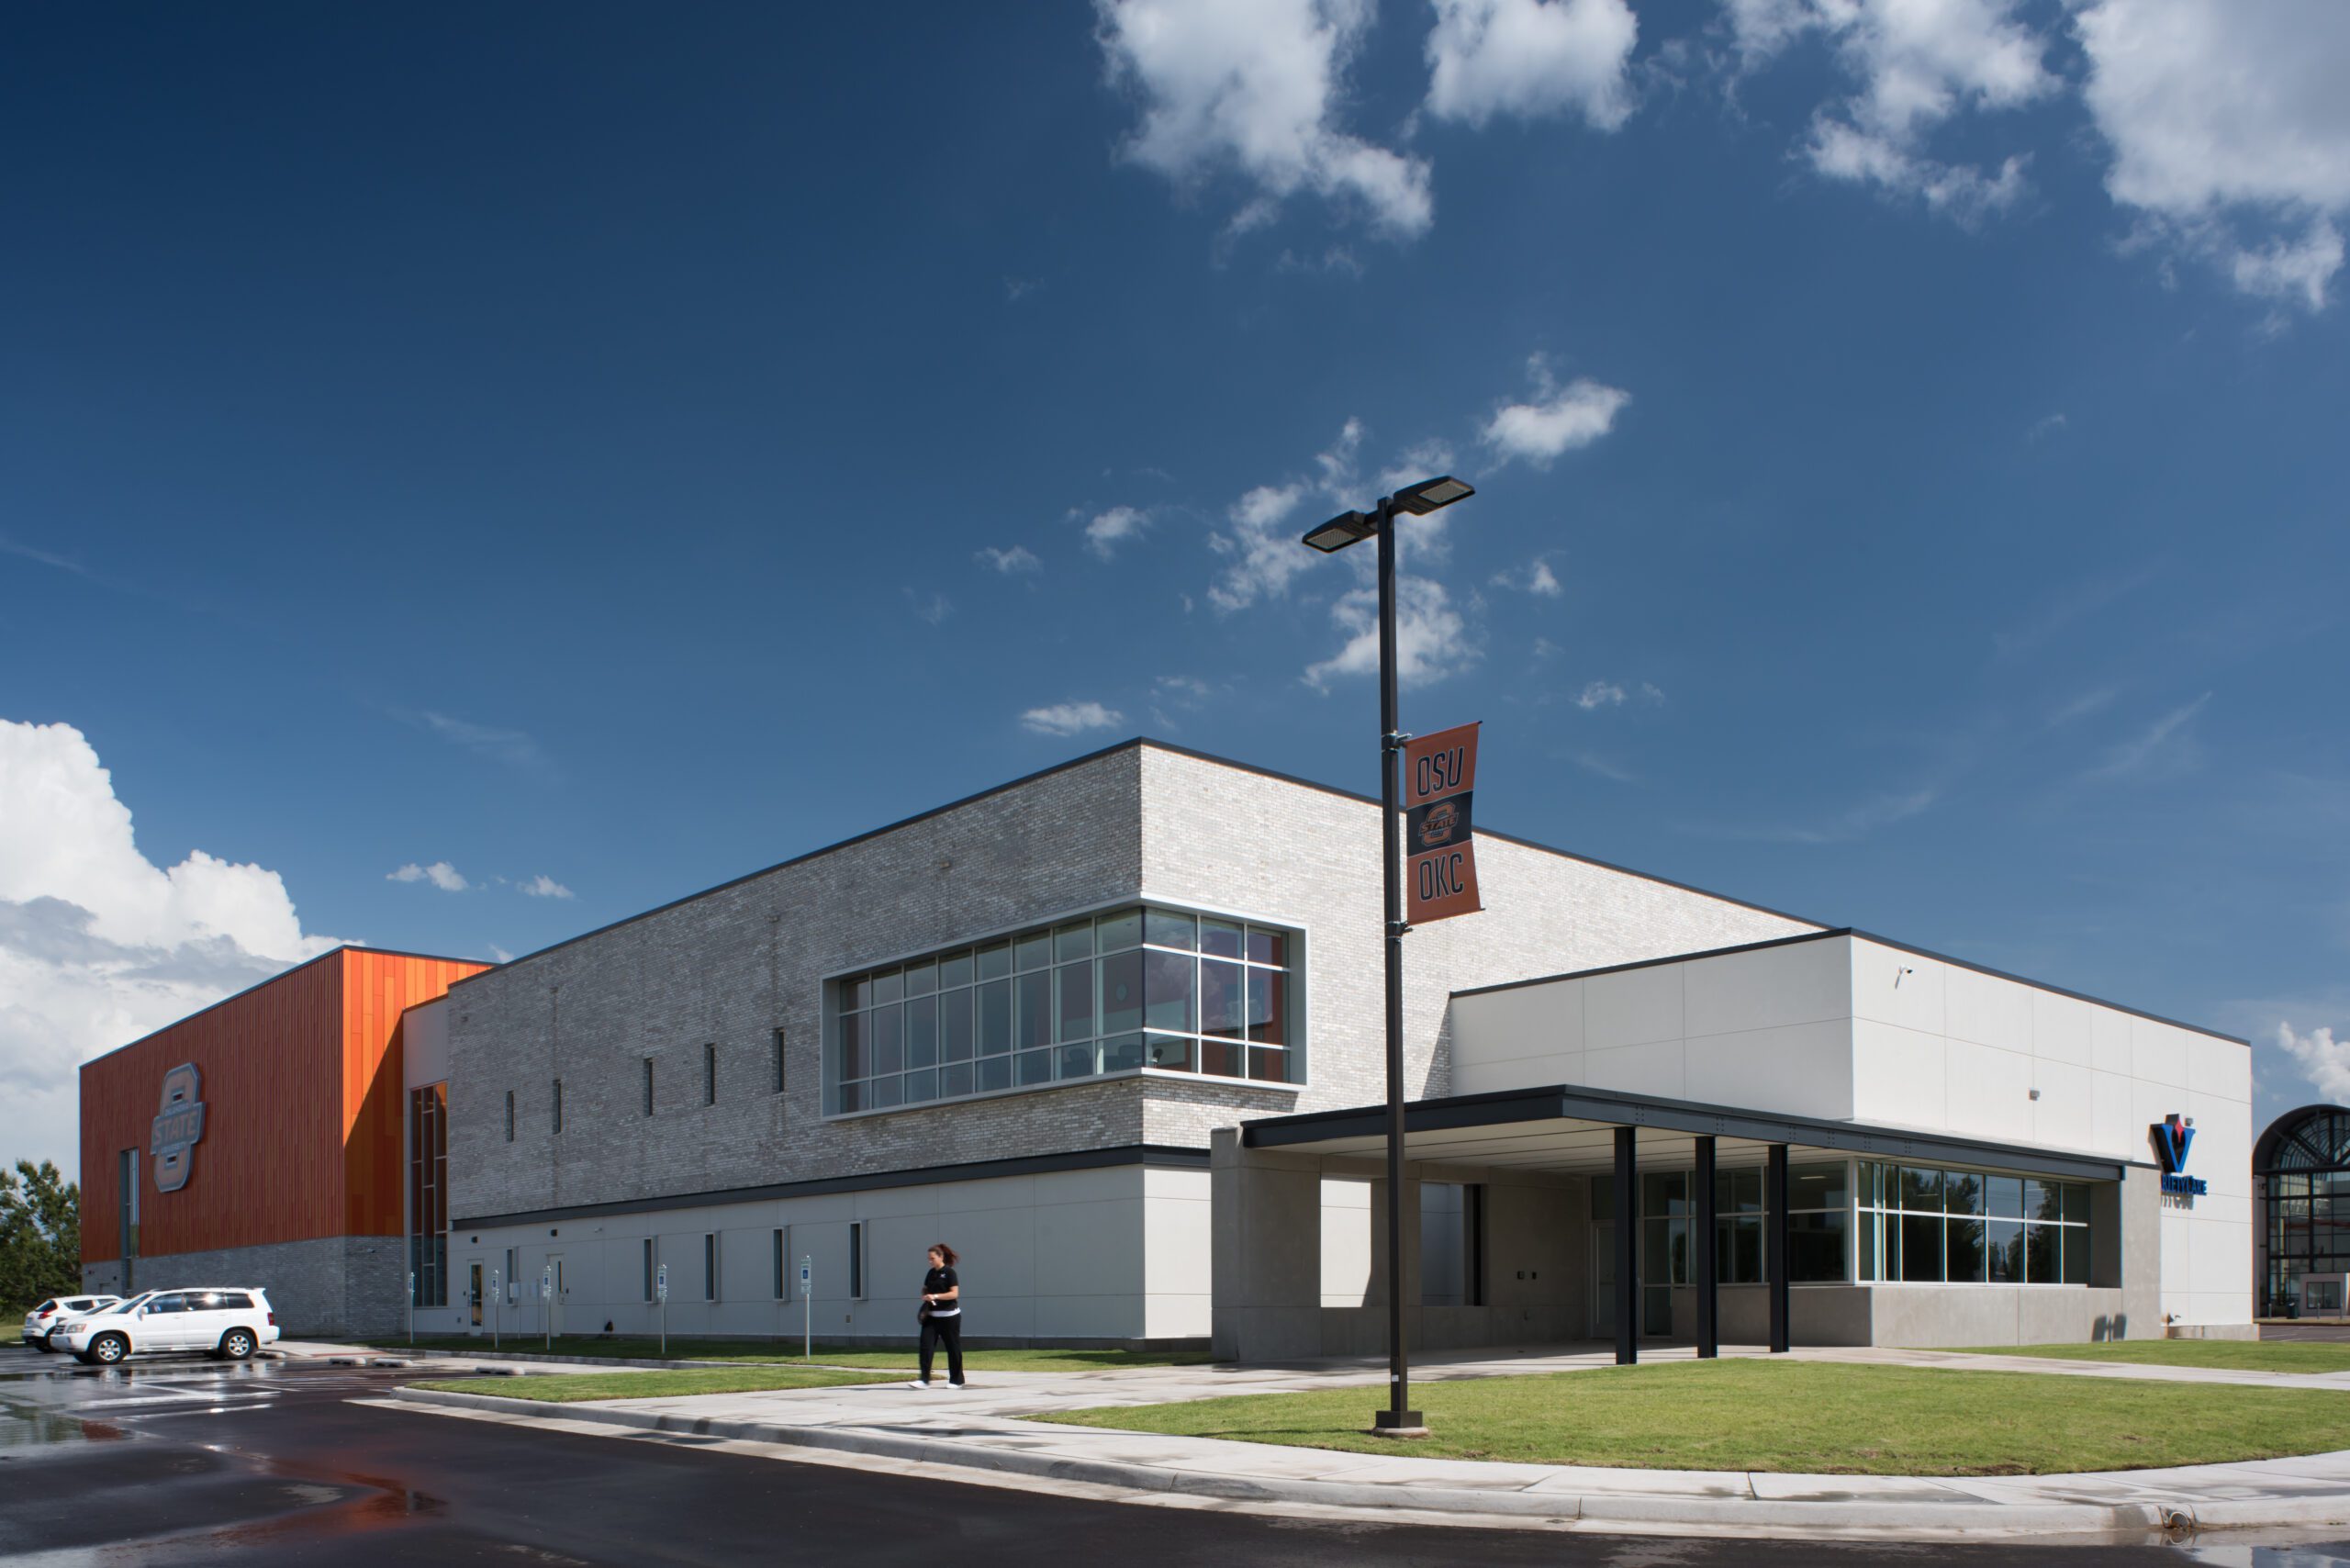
(41,1235)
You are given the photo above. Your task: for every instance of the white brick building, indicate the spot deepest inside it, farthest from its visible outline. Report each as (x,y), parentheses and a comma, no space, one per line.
(1029,1024)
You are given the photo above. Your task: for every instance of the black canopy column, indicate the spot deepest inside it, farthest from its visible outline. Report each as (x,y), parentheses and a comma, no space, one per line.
(1710,1339)
(1775,1241)
(1628,1252)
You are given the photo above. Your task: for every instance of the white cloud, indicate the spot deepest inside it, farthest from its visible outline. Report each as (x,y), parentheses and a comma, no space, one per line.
(1537,578)
(1432,639)
(2165,748)
(1600,694)
(1560,419)
(545,887)
(2224,118)
(512,747)
(1918,64)
(1531,58)
(1255,86)
(99,946)
(1112,528)
(441,873)
(932,608)
(2323,1059)
(1071,718)
(501,954)
(1012,562)
(1261,538)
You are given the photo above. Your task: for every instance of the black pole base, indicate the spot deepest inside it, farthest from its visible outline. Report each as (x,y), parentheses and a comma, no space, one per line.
(1398,1424)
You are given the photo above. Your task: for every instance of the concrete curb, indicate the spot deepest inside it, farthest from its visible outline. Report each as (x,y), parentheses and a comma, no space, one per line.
(1905,1521)
(614,1363)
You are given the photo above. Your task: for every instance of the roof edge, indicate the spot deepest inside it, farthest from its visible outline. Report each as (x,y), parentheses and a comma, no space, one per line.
(336,951)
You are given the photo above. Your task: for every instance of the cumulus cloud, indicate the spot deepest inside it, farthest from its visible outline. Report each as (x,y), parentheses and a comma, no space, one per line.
(1917,64)
(1432,639)
(1536,577)
(441,873)
(1558,421)
(2323,1060)
(1112,528)
(2229,130)
(932,608)
(545,887)
(1531,58)
(1253,87)
(98,945)
(1072,718)
(1259,539)
(1010,563)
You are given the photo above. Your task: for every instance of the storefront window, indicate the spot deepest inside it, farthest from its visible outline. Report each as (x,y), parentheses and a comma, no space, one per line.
(1137,988)
(1927,1226)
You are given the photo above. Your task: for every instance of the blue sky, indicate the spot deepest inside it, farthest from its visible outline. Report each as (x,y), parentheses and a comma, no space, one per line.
(625,450)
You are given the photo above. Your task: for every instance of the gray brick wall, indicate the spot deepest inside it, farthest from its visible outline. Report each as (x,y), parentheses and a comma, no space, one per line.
(333,1286)
(732,965)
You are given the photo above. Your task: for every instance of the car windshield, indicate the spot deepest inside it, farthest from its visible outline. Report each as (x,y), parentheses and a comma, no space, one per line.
(126,1306)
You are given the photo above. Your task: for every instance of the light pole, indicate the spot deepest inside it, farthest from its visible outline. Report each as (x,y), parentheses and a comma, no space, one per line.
(1352,527)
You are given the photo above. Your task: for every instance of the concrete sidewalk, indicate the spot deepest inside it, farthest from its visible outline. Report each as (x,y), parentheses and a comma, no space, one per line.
(980,1433)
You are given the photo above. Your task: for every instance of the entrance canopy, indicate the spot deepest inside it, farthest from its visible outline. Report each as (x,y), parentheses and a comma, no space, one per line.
(1570,1130)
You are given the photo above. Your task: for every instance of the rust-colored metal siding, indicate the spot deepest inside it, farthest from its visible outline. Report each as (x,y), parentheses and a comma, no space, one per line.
(302,1094)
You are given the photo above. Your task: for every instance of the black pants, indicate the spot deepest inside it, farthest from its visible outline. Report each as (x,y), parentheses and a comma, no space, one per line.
(946,1331)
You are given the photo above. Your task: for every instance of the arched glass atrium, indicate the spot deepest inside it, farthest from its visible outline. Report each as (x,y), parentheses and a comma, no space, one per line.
(2301,1170)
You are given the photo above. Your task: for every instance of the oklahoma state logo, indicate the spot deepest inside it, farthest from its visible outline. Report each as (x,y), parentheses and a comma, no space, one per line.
(179,1127)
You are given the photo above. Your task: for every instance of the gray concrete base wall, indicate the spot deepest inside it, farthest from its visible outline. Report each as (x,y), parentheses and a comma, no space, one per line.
(335,1286)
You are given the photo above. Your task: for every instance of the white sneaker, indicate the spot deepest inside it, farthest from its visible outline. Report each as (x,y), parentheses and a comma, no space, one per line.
(917,1383)
(958,1386)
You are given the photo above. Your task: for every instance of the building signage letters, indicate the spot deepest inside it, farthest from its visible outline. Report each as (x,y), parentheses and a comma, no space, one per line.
(178,1128)
(1440,859)
(2174,1136)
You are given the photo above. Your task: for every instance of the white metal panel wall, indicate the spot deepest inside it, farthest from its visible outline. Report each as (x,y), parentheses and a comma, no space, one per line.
(1055,1256)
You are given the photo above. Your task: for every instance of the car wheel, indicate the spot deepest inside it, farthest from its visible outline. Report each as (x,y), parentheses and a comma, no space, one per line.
(106,1349)
(237,1344)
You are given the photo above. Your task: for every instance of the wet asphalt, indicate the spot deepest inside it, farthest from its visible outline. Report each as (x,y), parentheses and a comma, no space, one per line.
(185,1461)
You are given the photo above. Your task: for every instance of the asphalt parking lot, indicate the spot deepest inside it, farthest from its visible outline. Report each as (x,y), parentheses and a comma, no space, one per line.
(183,1460)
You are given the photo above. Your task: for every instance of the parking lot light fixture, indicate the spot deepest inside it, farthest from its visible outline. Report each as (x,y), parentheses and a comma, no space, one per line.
(1399,1419)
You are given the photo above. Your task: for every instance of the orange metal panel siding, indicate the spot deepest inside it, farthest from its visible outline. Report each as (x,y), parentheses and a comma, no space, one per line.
(292,1071)
(378,988)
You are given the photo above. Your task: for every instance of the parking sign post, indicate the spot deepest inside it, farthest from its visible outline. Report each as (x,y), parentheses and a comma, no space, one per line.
(807,1311)
(411,1309)
(497,1300)
(661,1293)
(546,1305)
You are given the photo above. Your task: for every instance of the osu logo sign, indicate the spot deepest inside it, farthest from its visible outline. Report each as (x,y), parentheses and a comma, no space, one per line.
(2174,1136)
(179,1127)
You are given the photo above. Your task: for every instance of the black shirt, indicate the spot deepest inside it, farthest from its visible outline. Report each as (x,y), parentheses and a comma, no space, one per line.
(938,1281)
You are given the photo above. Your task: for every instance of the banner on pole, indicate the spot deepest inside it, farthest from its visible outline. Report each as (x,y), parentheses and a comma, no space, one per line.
(1439,861)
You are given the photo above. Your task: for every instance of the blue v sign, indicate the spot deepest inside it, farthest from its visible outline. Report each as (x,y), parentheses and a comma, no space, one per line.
(2174,1136)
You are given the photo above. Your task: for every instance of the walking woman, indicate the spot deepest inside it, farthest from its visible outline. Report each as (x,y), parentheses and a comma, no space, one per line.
(942,1316)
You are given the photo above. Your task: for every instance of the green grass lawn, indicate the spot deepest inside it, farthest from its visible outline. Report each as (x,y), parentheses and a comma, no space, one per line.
(1788,1416)
(774,1352)
(2235,1355)
(570,1388)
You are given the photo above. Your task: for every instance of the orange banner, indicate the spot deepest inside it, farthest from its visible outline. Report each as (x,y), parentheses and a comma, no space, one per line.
(1439,858)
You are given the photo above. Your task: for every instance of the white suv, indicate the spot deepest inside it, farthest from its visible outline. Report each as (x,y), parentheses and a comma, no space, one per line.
(58,1310)
(230,1324)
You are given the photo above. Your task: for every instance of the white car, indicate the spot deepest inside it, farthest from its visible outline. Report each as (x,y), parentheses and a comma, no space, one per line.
(58,1310)
(230,1323)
